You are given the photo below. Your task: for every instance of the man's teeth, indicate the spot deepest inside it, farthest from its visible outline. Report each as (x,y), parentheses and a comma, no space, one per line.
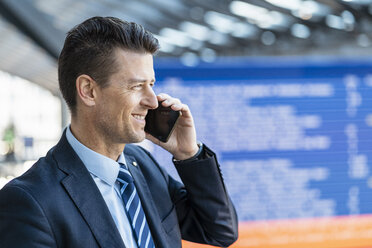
(139,117)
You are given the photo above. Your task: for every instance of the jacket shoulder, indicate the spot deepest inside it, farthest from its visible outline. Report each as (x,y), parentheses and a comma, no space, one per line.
(40,179)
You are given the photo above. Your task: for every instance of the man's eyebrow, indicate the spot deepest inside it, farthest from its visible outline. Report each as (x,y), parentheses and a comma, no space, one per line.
(139,80)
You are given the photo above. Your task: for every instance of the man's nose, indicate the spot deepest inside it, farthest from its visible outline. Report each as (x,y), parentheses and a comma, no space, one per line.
(150,100)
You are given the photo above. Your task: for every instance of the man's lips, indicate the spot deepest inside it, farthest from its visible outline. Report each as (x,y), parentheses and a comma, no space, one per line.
(139,117)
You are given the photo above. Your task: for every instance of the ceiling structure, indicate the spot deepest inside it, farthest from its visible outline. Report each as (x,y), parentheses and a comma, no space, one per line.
(33,31)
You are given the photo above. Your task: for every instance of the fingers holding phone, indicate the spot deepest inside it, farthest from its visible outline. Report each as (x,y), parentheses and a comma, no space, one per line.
(172,127)
(160,122)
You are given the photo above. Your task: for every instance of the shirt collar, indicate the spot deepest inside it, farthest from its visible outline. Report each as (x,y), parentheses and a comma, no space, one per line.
(97,164)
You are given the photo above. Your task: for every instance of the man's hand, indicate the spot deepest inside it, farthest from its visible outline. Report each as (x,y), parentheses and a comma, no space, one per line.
(182,143)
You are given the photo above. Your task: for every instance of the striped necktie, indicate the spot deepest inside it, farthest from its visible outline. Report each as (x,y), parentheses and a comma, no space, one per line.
(134,209)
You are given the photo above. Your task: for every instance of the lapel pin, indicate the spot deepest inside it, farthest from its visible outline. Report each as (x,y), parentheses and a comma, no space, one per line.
(134,163)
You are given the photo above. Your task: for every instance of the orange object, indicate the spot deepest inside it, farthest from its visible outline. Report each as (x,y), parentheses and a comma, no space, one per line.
(332,232)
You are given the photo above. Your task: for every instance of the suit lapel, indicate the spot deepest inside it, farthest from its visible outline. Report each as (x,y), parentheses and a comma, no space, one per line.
(86,196)
(152,215)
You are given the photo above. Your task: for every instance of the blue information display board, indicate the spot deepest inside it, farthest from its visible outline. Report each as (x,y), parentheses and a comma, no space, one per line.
(293,136)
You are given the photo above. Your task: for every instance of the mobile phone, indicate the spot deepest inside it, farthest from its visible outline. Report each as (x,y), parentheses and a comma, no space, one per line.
(160,122)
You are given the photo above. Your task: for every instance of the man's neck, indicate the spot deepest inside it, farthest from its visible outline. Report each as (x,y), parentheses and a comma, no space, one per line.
(92,139)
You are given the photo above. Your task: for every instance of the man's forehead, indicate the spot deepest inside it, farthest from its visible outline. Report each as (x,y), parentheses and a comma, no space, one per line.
(136,66)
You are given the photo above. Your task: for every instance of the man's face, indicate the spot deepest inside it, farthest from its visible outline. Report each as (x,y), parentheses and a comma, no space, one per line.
(122,106)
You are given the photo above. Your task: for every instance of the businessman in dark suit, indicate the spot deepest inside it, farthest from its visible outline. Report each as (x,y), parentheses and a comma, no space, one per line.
(95,189)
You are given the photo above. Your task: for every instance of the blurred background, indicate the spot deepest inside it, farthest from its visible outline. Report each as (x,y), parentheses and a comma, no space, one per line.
(281,90)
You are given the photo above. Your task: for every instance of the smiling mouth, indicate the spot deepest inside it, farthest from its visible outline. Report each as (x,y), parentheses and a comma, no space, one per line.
(139,117)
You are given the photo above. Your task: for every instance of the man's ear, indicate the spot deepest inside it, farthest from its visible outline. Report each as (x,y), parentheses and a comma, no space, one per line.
(86,90)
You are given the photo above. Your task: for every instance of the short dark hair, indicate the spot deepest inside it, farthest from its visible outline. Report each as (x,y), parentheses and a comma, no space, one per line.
(89,47)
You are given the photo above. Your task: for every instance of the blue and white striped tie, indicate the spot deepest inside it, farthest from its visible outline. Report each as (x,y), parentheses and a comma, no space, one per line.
(134,209)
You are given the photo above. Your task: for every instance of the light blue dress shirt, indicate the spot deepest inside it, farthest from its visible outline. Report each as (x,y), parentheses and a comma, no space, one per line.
(104,172)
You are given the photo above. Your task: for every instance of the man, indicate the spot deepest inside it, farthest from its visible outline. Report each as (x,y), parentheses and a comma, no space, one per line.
(87,192)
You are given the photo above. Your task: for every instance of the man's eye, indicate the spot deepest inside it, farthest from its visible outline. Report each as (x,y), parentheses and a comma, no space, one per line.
(138,86)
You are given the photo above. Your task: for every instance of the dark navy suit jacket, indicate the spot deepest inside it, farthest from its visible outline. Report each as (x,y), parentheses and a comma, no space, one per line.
(57,204)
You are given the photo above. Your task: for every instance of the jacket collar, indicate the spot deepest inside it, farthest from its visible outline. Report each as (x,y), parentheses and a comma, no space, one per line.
(148,204)
(86,196)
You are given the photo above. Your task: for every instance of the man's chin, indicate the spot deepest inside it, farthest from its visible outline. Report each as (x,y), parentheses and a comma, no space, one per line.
(138,137)
(140,140)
